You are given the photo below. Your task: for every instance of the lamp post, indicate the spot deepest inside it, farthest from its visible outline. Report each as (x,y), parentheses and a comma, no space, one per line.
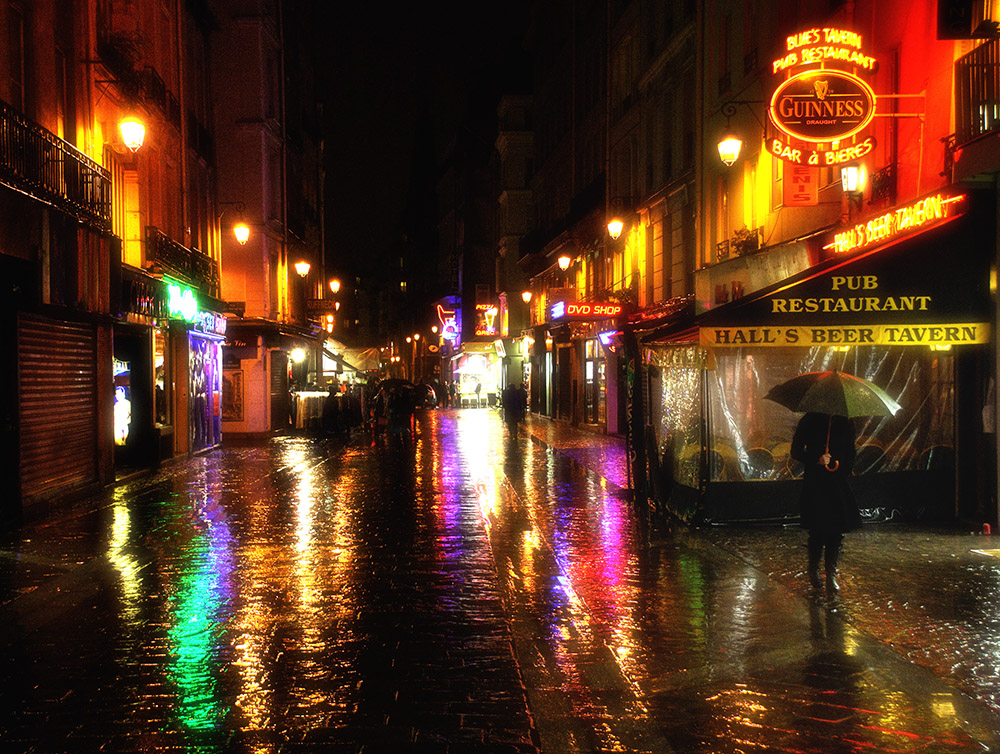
(302,268)
(731,144)
(416,345)
(240,229)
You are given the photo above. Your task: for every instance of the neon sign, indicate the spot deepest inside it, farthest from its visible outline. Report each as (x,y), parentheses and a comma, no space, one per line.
(449,324)
(594,310)
(920,215)
(821,112)
(485,319)
(181,303)
(822,105)
(820,46)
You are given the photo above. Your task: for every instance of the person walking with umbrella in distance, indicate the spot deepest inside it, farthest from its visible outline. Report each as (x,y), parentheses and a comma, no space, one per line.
(824,443)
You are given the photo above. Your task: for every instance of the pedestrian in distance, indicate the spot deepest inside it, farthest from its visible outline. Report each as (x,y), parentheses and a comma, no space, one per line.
(824,444)
(514,402)
(479,387)
(332,421)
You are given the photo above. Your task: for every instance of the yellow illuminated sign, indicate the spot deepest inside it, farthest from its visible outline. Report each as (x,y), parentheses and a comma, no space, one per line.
(856,335)
(921,214)
(822,111)
(823,46)
(801,155)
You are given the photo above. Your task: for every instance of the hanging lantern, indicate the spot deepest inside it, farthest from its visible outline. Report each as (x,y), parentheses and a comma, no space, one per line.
(242,233)
(729,148)
(133,132)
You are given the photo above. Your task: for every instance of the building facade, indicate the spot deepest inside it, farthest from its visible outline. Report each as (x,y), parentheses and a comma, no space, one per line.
(102,224)
(735,274)
(270,180)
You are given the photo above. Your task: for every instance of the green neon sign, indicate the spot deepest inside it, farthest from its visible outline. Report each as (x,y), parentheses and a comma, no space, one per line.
(181,302)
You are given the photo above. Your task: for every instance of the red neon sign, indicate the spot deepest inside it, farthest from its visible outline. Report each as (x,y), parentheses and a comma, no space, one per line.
(596,310)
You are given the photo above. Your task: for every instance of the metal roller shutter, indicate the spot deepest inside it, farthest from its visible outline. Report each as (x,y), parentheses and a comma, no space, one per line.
(58,405)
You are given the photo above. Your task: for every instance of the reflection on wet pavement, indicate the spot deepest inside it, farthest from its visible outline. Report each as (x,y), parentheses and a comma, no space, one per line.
(454,591)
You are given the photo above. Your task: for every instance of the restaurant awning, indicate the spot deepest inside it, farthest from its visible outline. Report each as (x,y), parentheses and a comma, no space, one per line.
(932,288)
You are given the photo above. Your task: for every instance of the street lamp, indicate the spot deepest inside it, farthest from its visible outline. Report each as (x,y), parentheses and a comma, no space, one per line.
(526,296)
(853,178)
(615,228)
(729,148)
(335,286)
(133,132)
(241,230)
(302,268)
(564,261)
(730,144)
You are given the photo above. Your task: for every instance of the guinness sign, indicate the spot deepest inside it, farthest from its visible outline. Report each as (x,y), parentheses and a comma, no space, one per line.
(822,105)
(820,114)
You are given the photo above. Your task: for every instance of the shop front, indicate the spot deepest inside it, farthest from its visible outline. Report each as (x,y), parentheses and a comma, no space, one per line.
(476,369)
(267,365)
(196,337)
(904,301)
(581,333)
(143,428)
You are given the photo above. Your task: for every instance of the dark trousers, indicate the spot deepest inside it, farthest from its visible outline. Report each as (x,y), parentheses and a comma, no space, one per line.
(828,544)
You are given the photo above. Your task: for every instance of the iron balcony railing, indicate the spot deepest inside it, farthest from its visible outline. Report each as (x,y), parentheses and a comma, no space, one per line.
(200,269)
(977,92)
(37,162)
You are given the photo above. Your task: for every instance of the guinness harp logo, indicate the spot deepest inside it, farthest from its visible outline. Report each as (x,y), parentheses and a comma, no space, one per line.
(821,88)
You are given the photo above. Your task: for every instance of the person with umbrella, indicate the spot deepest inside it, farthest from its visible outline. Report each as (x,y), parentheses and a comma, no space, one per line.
(824,443)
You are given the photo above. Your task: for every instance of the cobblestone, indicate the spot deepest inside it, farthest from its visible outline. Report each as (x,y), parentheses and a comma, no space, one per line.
(464,591)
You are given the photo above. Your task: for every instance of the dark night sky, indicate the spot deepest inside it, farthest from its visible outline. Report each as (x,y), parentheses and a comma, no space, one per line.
(390,65)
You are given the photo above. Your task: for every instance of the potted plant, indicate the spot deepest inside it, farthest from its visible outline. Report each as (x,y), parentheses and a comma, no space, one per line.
(745,241)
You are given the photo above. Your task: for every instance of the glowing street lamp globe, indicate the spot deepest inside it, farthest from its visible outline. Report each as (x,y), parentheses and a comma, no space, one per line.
(729,149)
(133,132)
(242,233)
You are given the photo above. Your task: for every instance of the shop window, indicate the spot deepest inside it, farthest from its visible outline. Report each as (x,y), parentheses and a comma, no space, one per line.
(162,380)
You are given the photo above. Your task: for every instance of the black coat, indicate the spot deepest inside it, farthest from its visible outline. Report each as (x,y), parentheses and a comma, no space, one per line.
(827,504)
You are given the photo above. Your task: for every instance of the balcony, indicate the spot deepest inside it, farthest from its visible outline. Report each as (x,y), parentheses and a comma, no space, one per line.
(200,269)
(39,163)
(977,93)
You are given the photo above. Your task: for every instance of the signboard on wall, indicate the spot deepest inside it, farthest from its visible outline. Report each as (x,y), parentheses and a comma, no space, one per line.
(594,310)
(800,185)
(822,108)
(924,281)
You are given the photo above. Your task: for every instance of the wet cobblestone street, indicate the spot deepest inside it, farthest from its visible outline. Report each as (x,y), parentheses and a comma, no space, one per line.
(464,591)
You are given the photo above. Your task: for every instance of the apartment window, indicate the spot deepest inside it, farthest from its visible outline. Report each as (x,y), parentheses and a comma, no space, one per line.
(725,46)
(777,183)
(15,57)
(62,106)
(402,286)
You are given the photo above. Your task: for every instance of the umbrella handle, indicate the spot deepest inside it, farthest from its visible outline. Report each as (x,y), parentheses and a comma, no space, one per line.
(836,464)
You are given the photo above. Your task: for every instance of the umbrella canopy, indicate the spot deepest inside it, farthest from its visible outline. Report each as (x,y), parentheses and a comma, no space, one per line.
(833,392)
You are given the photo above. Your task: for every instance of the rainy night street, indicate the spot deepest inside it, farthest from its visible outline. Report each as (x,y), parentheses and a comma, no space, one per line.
(463,591)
